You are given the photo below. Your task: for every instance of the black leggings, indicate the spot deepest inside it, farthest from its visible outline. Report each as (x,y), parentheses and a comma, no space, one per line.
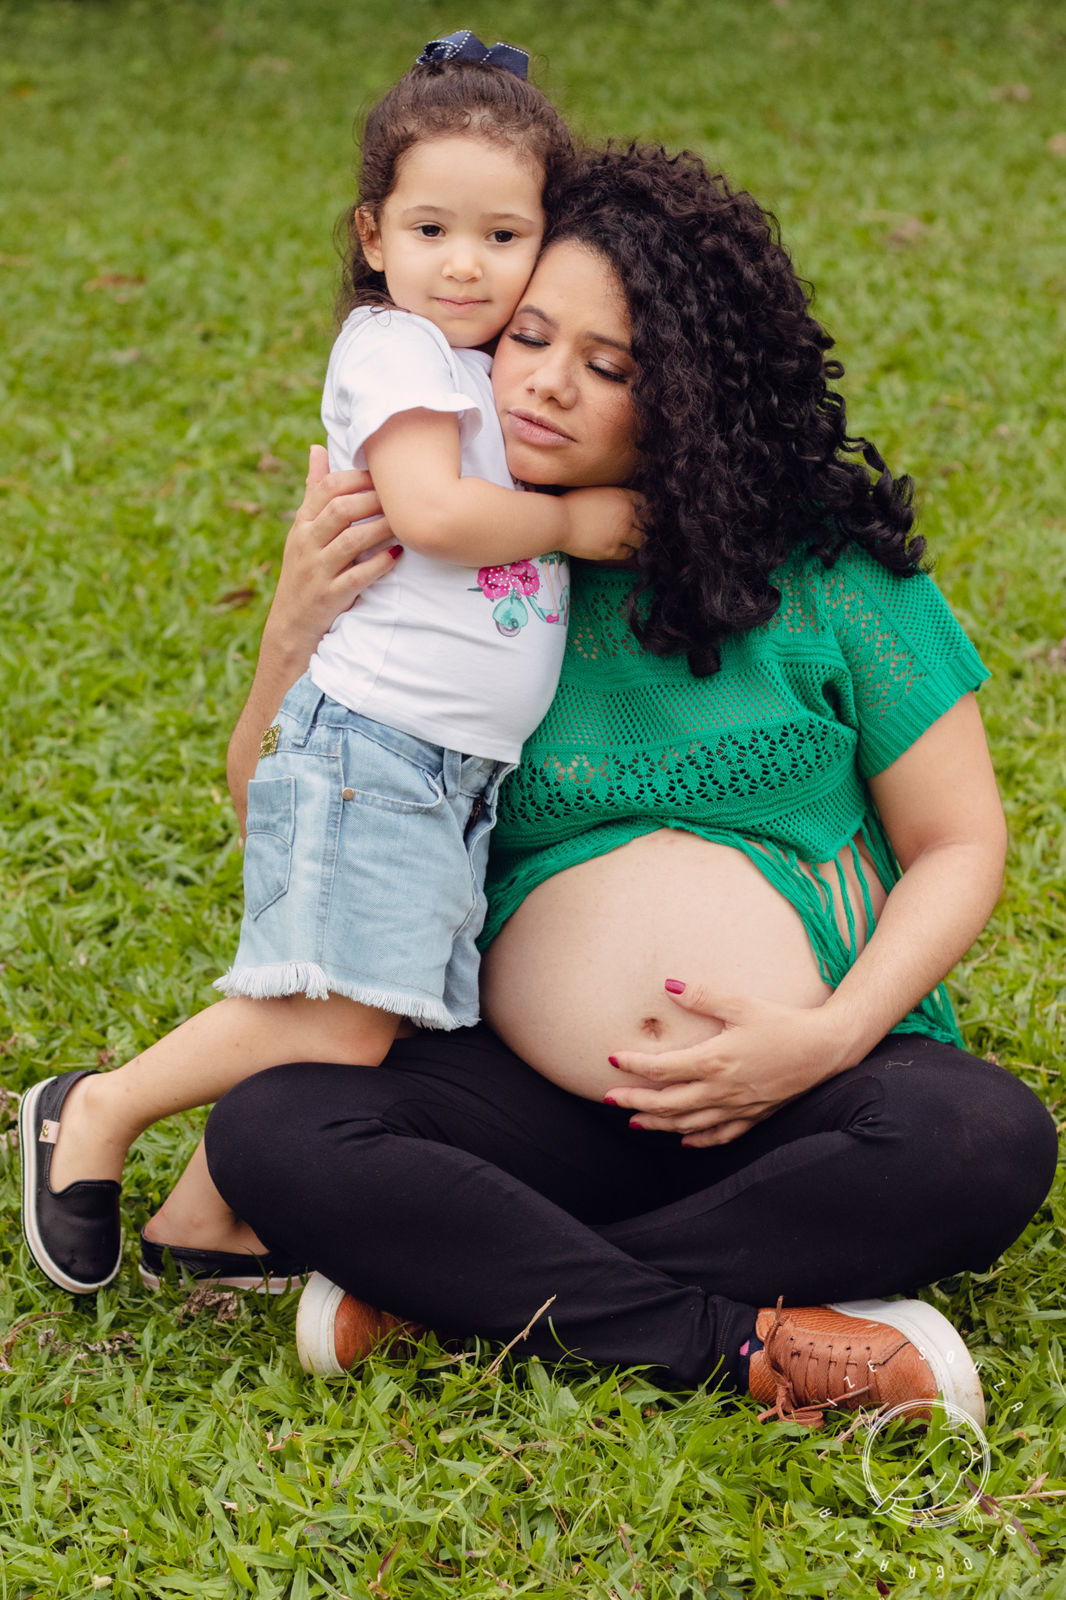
(455,1186)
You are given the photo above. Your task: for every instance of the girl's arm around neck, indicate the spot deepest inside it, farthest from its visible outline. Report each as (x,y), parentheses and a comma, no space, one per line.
(415,463)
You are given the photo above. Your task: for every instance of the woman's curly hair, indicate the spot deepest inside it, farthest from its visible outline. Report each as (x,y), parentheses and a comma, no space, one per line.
(743,442)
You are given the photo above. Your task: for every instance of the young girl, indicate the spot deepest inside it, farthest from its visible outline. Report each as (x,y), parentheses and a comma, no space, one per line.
(369,814)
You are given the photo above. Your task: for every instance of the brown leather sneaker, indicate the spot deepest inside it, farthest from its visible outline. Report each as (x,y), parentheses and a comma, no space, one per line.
(335,1331)
(870,1353)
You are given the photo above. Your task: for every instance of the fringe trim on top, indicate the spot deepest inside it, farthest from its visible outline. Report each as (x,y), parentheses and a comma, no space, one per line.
(810,893)
(282,978)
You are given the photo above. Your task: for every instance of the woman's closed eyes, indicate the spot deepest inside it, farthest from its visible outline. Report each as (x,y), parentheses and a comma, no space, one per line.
(535,341)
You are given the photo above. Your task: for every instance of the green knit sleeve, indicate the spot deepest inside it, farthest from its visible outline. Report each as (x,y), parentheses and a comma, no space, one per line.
(907,654)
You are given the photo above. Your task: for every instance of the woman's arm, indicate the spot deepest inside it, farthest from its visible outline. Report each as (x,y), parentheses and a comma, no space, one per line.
(942,814)
(317,583)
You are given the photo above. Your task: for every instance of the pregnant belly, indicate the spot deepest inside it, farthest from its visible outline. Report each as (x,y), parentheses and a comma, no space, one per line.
(577,973)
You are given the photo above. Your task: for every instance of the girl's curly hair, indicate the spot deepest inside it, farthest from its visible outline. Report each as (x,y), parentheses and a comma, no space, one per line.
(743,443)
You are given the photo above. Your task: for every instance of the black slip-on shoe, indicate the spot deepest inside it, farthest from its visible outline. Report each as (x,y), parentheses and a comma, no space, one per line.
(74,1236)
(267,1274)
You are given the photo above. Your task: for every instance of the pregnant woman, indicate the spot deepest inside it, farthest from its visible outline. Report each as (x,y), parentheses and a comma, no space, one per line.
(721,1088)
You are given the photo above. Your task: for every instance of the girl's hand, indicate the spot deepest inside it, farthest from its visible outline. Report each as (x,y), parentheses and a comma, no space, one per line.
(320,575)
(603,524)
(712,1092)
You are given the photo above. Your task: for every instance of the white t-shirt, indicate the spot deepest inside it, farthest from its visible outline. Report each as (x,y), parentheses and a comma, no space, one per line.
(462,657)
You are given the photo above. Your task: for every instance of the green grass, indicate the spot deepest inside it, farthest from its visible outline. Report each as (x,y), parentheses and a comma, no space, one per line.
(170,174)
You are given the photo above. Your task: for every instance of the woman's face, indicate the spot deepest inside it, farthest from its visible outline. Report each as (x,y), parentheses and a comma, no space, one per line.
(564,372)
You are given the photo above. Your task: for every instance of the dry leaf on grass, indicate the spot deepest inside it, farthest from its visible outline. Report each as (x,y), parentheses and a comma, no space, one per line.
(222,1303)
(113,280)
(908,233)
(83,1348)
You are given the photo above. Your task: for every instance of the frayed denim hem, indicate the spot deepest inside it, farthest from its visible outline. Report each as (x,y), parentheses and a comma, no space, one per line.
(283,978)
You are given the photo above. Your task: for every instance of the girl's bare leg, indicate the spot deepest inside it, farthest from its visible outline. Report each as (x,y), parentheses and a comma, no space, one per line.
(197,1063)
(194,1214)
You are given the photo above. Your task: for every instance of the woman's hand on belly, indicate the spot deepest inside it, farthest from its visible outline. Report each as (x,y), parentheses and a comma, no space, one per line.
(715,1090)
(577,974)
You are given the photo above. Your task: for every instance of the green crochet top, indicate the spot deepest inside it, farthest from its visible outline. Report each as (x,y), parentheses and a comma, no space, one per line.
(768,755)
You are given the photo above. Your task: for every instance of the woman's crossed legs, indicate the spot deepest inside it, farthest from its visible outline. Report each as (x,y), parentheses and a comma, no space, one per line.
(457,1188)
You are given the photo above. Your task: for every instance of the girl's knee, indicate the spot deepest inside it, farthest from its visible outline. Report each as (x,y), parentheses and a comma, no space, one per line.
(334,1029)
(354,1034)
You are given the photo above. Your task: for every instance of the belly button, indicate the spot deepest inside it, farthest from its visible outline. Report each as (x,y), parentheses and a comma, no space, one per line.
(651,1026)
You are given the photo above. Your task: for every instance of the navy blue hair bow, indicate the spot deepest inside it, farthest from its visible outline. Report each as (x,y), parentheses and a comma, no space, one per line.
(466,46)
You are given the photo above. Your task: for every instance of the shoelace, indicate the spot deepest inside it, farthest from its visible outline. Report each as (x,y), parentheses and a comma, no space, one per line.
(786,1407)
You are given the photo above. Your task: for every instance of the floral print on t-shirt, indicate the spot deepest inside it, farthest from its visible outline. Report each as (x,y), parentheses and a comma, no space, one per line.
(522,588)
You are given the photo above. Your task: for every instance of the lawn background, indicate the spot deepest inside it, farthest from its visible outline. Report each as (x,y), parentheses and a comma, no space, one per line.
(170,174)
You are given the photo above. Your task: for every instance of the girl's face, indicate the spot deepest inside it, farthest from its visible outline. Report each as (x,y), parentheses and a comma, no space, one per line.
(458,236)
(564,372)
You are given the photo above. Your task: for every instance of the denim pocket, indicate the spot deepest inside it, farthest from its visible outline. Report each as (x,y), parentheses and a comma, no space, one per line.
(268,846)
(391,778)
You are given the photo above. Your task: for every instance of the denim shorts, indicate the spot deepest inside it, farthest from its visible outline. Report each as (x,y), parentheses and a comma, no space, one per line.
(364,865)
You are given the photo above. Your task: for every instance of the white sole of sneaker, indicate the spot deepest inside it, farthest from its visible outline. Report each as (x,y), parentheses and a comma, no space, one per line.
(255,1285)
(936,1341)
(316,1316)
(30,1231)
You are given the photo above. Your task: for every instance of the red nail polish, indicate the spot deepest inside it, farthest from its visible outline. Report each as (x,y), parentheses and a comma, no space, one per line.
(613,1062)
(638,1127)
(673,986)
(608,1101)
(396,551)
